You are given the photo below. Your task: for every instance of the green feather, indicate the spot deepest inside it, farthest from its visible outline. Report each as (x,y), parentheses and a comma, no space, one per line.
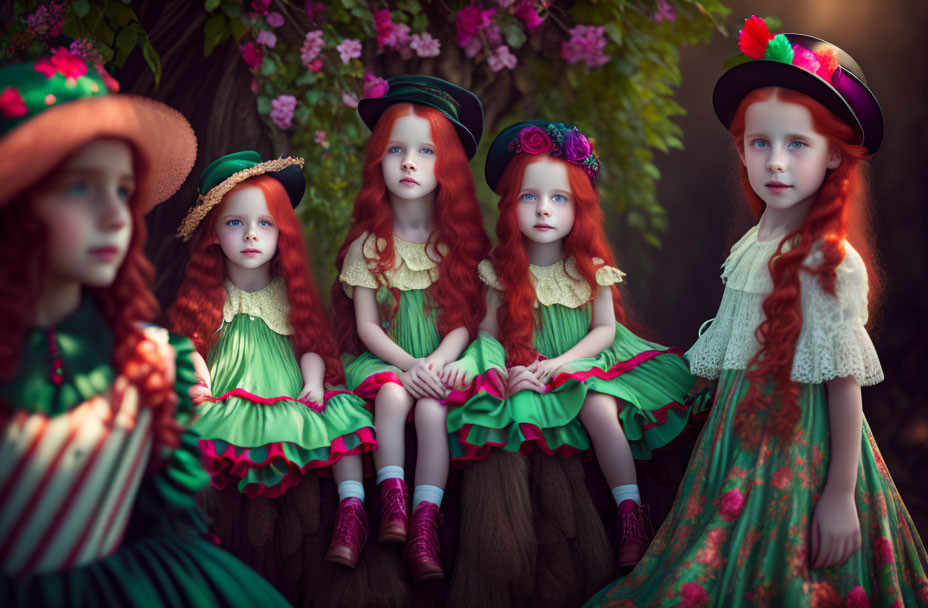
(779,49)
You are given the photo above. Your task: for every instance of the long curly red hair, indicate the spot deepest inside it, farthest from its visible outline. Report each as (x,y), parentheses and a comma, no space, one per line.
(840,211)
(197,312)
(458,292)
(586,241)
(124,304)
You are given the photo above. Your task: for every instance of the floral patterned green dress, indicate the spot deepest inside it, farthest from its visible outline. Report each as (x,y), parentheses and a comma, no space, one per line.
(255,431)
(738,533)
(651,380)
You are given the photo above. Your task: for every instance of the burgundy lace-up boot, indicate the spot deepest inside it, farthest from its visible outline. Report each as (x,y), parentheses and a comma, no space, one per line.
(636,532)
(350,533)
(393,518)
(422,549)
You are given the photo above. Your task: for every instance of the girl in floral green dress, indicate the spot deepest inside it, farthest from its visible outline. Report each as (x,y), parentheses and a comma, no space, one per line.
(787,501)
(578,377)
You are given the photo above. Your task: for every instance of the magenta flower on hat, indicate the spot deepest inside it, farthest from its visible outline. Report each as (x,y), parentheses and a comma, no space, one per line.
(533,140)
(12,104)
(374,87)
(576,147)
(64,62)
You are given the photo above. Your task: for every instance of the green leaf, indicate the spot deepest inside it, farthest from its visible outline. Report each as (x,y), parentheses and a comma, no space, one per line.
(349,4)
(264,104)
(420,23)
(614,31)
(210,5)
(232,10)
(94,18)
(106,53)
(125,42)
(152,59)
(81,8)
(119,14)
(104,34)
(268,67)
(307,77)
(512,32)
(313,96)
(215,31)
(238,27)
(736,59)
(773,24)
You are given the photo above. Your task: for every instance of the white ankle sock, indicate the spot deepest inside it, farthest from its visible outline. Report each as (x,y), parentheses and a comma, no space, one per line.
(350,489)
(391,471)
(626,492)
(432,494)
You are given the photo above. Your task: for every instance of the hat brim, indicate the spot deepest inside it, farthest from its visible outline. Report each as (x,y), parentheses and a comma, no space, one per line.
(865,116)
(161,138)
(294,182)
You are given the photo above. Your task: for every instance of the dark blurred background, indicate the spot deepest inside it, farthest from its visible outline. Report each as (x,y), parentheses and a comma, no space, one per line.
(676,288)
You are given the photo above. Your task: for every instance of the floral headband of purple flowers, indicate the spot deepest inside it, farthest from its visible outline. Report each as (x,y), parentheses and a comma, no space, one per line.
(561,140)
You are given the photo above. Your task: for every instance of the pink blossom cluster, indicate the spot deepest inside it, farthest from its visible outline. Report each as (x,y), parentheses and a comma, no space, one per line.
(48,19)
(349,49)
(389,34)
(64,62)
(321,140)
(266,38)
(528,15)
(470,23)
(282,109)
(374,86)
(501,58)
(260,6)
(315,11)
(309,52)
(586,44)
(252,54)
(274,19)
(349,99)
(424,45)
(664,11)
(86,48)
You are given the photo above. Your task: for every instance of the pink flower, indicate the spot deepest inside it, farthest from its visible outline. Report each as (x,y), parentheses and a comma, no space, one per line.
(350,99)
(782,478)
(64,62)
(254,87)
(664,11)
(315,11)
(274,19)
(693,595)
(312,46)
(533,140)
(576,147)
(857,598)
(86,48)
(529,17)
(48,19)
(424,45)
(586,44)
(320,139)
(505,3)
(469,21)
(266,38)
(260,6)
(282,111)
(883,551)
(349,49)
(12,104)
(252,54)
(315,66)
(374,87)
(732,504)
(393,35)
(501,58)
(112,85)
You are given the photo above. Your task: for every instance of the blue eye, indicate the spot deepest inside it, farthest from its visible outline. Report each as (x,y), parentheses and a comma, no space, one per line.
(394,150)
(78,189)
(124,193)
(426,151)
(559,198)
(234,223)
(528,196)
(760,144)
(265,224)
(795,145)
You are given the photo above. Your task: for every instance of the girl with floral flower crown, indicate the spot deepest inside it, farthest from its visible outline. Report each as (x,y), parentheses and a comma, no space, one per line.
(271,408)
(577,376)
(408,297)
(786,500)
(99,469)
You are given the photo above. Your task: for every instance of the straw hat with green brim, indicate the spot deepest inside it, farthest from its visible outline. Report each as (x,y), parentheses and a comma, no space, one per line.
(52,107)
(459,105)
(805,64)
(226,172)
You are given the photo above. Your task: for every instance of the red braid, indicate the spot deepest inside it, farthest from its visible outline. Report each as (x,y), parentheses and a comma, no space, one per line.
(585,241)
(838,213)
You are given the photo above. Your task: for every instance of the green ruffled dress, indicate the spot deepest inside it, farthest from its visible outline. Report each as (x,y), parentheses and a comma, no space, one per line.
(408,314)
(93,512)
(650,380)
(256,433)
(739,531)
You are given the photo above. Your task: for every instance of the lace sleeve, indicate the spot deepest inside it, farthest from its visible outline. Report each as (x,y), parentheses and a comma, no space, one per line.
(355,271)
(833,342)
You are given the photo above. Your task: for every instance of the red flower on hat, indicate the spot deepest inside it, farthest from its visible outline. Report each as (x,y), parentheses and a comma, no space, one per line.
(64,62)
(111,83)
(12,104)
(753,38)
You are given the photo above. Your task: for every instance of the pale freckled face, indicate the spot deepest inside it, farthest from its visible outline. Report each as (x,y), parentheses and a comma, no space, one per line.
(246,231)
(409,162)
(545,203)
(785,157)
(85,210)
